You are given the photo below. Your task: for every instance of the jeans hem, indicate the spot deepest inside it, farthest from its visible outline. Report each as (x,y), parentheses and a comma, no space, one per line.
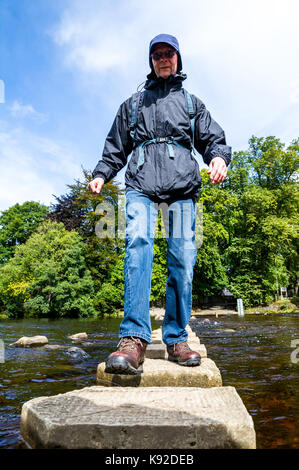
(181,341)
(139,335)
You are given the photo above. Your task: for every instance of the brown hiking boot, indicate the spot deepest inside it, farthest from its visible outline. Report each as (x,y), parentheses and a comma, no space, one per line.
(183,354)
(128,357)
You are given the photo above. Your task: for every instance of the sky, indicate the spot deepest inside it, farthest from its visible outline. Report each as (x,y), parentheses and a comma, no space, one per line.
(67,65)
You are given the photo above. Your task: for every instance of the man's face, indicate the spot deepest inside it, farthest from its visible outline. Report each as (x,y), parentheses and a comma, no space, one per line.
(165,65)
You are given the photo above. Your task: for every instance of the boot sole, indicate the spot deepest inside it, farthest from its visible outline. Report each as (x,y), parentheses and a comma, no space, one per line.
(189,363)
(122,367)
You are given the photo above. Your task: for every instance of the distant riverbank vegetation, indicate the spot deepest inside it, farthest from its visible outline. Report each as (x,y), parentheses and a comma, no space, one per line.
(52,264)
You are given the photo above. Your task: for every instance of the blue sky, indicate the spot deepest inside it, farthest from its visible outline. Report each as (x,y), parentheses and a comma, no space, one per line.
(66,65)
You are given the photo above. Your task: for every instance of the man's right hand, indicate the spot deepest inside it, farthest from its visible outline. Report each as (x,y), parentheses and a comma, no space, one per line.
(96,185)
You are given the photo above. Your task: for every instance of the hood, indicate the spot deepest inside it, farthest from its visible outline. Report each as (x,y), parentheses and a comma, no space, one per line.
(167,39)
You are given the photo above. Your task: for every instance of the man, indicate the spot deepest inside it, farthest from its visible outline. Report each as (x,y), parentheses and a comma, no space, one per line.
(162,170)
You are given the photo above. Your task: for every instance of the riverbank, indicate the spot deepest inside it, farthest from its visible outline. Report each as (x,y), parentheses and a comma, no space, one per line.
(284,306)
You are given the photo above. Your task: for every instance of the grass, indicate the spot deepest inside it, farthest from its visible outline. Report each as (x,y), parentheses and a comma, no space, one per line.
(280,306)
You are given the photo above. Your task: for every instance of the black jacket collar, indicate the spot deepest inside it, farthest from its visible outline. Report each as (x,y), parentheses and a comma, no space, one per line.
(173,81)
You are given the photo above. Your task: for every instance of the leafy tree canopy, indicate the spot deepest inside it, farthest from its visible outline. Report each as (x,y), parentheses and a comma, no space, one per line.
(17,224)
(48,276)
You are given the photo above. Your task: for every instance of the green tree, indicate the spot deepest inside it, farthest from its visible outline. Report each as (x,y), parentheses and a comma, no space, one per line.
(209,272)
(17,224)
(262,252)
(78,210)
(47,277)
(272,164)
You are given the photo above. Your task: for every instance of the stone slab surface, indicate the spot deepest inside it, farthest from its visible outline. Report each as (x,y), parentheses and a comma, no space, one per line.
(157,341)
(162,373)
(158,350)
(157,333)
(138,418)
(157,336)
(200,348)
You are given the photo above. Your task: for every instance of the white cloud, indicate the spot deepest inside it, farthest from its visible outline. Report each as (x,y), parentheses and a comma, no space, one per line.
(240,57)
(93,37)
(19,110)
(34,167)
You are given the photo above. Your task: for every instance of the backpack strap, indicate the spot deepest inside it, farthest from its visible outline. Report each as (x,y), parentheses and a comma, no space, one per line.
(137,101)
(191,112)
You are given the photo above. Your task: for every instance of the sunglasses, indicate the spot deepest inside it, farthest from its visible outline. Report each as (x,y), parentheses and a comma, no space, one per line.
(158,55)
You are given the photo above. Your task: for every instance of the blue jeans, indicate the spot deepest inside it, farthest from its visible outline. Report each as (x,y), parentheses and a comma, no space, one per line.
(141,215)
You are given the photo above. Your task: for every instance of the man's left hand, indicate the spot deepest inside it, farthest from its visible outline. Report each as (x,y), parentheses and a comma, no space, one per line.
(217,170)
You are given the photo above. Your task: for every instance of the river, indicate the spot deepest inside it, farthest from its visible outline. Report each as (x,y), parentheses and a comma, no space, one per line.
(253,354)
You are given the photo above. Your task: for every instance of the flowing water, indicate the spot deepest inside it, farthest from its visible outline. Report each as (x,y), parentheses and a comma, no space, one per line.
(252,353)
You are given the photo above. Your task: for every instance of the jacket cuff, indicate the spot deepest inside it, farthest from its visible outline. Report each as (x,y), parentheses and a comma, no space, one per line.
(222,151)
(97,174)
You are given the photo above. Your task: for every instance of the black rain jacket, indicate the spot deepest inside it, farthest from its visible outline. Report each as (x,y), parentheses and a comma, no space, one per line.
(163,113)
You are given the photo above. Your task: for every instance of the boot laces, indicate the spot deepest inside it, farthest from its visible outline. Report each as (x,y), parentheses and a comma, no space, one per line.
(129,343)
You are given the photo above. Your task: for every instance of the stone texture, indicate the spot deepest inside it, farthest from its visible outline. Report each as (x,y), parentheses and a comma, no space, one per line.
(30,342)
(156,351)
(78,336)
(161,373)
(157,311)
(77,354)
(200,348)
(157,341)
(193,341)
(159,317)
(157,336)
(139,418)
(216,313)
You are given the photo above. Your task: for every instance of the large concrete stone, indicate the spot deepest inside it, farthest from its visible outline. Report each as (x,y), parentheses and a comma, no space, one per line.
(142,418)
(161,373)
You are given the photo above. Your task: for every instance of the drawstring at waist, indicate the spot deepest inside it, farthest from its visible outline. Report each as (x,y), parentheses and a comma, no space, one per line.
(169,141)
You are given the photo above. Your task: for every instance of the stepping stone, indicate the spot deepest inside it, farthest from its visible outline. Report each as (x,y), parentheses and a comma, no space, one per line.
(157,333)
(200,348)
(157,336)
(139,418)
(156,341)
(158,351)
(163,373)
(193,341)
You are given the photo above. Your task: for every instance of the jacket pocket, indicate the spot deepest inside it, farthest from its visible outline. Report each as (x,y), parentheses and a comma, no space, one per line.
(181,173)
